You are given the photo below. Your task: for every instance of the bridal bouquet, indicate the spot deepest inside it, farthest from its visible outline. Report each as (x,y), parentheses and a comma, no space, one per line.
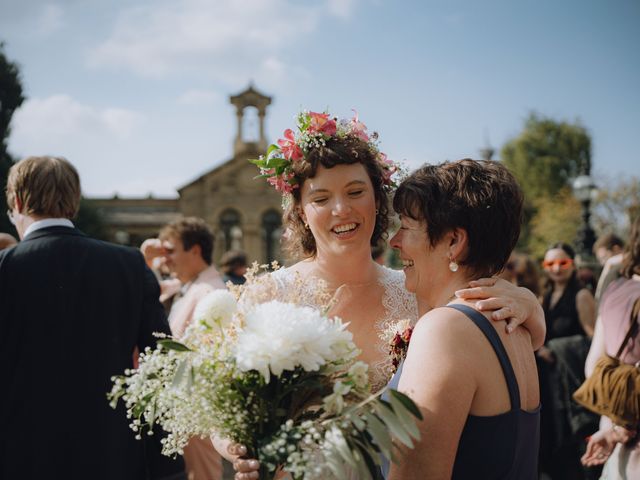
(276,375)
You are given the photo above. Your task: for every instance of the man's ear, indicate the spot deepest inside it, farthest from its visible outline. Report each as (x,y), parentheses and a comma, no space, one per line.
(196,250)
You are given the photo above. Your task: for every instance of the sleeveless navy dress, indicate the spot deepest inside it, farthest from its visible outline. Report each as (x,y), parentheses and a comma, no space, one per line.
(503,446)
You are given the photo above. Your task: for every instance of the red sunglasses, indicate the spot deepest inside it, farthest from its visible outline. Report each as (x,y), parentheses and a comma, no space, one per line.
(563,263)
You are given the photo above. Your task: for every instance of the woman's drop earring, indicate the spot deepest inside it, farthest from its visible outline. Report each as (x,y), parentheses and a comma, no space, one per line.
(453,266)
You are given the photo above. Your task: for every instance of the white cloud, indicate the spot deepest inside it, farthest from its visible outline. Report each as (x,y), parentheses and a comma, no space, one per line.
(45,125)
(229,41)
(199,97)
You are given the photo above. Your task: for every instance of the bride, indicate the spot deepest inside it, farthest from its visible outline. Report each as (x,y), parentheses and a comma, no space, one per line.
(337,186)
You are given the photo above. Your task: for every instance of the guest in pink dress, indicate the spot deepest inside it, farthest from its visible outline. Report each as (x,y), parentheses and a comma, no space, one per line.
(617,446)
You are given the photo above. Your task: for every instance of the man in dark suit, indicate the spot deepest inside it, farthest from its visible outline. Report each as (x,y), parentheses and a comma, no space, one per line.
(72,311)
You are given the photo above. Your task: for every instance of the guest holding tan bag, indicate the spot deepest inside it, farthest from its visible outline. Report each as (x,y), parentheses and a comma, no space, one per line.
(616,442)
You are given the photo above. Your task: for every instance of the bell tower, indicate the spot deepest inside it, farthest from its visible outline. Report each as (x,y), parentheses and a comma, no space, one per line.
(251,108)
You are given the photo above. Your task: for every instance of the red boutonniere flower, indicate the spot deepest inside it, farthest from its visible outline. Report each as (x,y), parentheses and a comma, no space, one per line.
(398,347)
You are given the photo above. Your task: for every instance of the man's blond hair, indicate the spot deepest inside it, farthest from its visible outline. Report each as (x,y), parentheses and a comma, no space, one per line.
(44,186)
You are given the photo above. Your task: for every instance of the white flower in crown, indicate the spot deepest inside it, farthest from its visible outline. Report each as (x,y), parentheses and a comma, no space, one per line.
(281,336)
(216,309)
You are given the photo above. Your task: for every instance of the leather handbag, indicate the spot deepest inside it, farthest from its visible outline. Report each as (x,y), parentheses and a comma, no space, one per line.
(613,389)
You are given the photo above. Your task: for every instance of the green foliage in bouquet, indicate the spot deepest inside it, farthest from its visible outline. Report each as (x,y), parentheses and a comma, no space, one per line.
(263,370)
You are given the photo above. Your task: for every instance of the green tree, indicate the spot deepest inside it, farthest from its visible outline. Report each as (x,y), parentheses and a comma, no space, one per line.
(10,99)
(545,157)
(557,220)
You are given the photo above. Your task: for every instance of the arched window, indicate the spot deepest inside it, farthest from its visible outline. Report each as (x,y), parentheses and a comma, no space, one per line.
(231,229)
(271,231)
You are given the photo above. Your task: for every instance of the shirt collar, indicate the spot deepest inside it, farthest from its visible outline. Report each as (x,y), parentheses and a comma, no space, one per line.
(47,222)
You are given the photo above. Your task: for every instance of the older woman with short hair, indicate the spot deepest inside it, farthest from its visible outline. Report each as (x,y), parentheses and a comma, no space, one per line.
(476,386)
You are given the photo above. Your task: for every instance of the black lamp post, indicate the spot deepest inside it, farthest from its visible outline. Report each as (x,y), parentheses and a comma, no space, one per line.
(584,188)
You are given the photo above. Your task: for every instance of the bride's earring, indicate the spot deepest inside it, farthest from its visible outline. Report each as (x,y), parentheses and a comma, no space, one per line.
(453,266)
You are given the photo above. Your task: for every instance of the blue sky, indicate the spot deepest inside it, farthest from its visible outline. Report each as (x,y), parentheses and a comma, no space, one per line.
(135,92)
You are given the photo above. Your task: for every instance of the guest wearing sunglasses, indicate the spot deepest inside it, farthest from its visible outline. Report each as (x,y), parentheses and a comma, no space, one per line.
(570,317)
(569,308)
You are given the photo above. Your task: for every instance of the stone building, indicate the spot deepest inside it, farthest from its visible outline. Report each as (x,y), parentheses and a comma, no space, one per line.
(129,221)
(244,213)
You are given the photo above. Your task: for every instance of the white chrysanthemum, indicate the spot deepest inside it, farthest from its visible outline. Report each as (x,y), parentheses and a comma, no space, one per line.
(282,336)
(216,309)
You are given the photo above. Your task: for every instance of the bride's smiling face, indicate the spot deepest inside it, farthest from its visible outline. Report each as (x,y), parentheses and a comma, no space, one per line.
(339,206)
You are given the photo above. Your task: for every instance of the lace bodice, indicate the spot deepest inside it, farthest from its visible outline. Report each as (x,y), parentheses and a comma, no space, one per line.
(397,304)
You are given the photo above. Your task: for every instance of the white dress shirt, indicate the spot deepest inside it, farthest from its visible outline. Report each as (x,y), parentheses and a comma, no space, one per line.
(47,222)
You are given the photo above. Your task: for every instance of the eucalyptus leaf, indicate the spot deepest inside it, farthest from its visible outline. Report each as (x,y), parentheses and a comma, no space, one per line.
(373,455)
(393,423)
(358,422)
(173,345)
(342,447)
(407,402)
(359,456)
(379,434)
(336,466)
(406,418)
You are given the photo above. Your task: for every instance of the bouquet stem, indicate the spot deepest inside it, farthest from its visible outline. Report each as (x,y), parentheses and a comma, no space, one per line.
(264,473)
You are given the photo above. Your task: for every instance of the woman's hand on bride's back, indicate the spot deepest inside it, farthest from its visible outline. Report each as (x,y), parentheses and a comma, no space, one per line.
(245,468)
(516,305)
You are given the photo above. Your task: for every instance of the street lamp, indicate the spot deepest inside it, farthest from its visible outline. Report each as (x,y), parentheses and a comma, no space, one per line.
(584,189)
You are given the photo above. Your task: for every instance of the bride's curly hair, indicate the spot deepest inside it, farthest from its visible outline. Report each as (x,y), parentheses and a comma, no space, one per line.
(348,150)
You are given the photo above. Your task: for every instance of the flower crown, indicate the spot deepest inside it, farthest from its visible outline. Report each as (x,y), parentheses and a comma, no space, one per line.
(314,129)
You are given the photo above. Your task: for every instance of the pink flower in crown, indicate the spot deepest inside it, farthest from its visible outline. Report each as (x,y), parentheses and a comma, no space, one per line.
(283,182)
(358,128)
(388,168)
(321,123)
(290,149)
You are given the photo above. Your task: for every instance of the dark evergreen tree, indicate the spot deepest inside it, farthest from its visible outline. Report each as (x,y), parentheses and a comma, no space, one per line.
(10,99)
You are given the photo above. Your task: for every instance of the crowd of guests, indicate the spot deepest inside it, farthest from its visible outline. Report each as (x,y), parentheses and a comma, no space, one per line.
(573,297)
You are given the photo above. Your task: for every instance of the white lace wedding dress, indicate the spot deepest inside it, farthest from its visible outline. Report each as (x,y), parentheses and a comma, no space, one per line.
(395,304)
